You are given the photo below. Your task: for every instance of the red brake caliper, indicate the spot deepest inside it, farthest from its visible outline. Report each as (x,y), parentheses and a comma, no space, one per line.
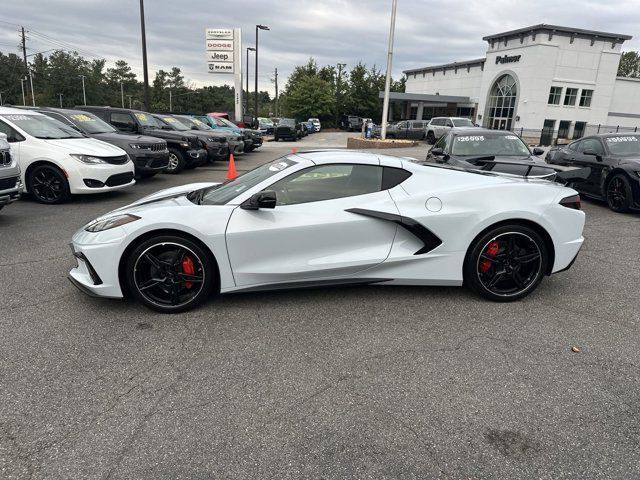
(492,251)
(188,268)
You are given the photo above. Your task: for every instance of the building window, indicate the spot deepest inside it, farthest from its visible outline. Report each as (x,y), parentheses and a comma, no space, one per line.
(578,129)
(570,96)
(563,128)
(585,98)
(554,95)
(502,103)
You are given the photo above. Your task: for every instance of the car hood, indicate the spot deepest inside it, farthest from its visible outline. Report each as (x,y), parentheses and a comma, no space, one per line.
(124,139)
(86,146)
(169,134)
(530,159)
(168,193)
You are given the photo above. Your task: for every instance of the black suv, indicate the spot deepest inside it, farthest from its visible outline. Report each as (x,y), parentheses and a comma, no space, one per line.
(185,150)
(149,154)
(288,128)
(214,142)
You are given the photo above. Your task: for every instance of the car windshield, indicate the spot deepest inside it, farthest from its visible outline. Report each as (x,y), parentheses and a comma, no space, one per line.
(287,122)
(193,122)
(41,126)
(265,121)
(462,122)
(174,123)
(624,145)
(225,192)
(496,144)
(146,120)
(89,123)
(227,123)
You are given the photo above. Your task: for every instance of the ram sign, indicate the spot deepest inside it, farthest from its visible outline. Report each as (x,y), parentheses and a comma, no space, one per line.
(222,50)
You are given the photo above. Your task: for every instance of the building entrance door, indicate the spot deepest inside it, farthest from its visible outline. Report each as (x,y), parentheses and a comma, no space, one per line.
(547,132)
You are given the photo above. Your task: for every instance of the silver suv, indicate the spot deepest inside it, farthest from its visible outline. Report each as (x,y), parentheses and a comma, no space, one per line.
(438,126)
(10,183)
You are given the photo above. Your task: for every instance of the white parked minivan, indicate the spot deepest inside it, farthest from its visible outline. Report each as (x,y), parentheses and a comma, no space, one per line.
(58,161)
(316,124)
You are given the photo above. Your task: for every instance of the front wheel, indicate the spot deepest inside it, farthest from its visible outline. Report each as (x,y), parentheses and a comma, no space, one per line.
(506,263)
(169,274)
(48,184)
(177,163)
(619,194)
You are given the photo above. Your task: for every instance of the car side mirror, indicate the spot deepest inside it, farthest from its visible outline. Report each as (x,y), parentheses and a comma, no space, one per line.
(537,151)
(264,199)
(593,154)
(193,127)
(438,152)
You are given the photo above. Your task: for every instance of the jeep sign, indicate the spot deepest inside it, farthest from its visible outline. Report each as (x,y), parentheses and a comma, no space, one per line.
(220,56)
(508,59)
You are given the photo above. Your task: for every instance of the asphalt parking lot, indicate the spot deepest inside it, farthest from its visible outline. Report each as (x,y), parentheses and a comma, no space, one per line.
(354,382)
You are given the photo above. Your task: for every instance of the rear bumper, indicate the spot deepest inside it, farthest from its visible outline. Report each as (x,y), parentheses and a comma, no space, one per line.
(566,255)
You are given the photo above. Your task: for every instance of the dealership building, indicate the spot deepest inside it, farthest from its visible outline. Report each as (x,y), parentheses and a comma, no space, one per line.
(549,83)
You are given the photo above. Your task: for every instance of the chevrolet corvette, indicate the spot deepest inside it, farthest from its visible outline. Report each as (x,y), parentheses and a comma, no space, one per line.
(333,218)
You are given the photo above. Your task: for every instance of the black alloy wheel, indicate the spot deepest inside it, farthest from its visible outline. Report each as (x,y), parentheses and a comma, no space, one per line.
(177,163)
(431,138)
(169,274)
(618,194)
(506,263)
(48,184)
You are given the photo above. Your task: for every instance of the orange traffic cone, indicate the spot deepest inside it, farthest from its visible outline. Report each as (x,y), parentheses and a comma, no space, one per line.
(231,173)
(294,149)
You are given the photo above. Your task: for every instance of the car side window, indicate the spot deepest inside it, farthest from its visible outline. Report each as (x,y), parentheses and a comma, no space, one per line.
(592,144)
(327,182)
(122,121)
(449,123)
(442,142)
(12,134)
(573,146)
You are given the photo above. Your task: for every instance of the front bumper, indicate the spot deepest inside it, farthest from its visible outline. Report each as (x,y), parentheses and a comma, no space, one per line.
(150,161)
(196,157)
(10,195)
(237,147)
(100,178)
(217,151)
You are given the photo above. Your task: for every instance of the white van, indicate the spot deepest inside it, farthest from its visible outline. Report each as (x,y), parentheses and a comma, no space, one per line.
(316,124)
(58,161)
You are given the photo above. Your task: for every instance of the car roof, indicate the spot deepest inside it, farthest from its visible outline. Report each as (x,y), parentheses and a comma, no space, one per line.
(613,134)
(16,111)
(478,130)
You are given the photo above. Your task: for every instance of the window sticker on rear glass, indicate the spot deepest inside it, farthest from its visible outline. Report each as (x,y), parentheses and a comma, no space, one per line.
(621,139)
(141,116)
(17,118)
(471,138)
(82,118)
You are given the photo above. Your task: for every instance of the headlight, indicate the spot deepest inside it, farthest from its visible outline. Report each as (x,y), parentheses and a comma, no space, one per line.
(184,144)
(217,139)
(140,146)
(88,159)
(110,222)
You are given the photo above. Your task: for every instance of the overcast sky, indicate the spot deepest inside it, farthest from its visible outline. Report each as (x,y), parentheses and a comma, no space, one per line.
(331,31)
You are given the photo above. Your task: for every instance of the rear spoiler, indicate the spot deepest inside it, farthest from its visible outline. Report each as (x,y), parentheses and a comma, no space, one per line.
(556,173)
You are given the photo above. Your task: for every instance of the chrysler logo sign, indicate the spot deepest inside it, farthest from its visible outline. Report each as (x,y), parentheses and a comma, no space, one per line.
(508,59)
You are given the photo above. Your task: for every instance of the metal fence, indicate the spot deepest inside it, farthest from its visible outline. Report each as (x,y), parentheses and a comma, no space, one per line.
(547,137)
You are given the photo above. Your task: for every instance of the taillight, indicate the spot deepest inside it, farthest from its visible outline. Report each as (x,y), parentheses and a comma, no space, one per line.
(571,202)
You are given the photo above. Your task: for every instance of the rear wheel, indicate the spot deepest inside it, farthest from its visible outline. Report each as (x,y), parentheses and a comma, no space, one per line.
(48,184)
(506,263)
(177,162)
(169,273)
(431,138)
(618,194)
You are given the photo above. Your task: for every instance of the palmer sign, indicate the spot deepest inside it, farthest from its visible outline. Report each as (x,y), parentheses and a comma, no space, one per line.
(508,59)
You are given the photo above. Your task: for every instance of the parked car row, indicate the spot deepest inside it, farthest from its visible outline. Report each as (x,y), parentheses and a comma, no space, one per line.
(53,153)
(290,129)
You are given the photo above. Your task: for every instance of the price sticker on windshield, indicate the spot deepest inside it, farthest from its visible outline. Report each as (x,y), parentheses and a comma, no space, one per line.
(511,137)
(169,120)
(82,118)
(471,138)
(141,116)
(17,118)
(621,139)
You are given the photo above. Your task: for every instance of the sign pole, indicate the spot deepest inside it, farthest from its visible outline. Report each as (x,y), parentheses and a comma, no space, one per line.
(387,83)
(237,72)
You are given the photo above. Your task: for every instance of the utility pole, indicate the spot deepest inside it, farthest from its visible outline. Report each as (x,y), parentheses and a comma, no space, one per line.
(129,97)
(60,95)
(22,80)
(170,101)
(24,57)
(84,93)
(387,83)
(338,80)
(122,94)
(276,92)
(33,95)
(144,59)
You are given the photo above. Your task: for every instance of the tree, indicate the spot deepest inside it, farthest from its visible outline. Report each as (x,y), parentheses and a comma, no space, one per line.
(310,97)
(629,65)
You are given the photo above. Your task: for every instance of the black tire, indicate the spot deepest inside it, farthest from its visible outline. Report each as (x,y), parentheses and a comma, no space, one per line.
(431,138)
(618,193)
(177,162)
(155,273)
(295,138)
(506,263)
(48,184)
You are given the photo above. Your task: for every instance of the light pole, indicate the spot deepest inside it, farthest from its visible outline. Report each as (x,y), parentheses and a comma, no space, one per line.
(340,67)
(1,98)
(387,83)
(258,27)
(22,80)
(145,70)
(84,93)
(122,94)
(249,49)
(129,97)
(60,95)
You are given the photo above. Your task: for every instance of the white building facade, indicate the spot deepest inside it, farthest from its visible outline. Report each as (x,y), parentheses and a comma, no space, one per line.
(545,82)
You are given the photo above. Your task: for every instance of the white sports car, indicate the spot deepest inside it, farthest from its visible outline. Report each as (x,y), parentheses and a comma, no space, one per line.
(332,217)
